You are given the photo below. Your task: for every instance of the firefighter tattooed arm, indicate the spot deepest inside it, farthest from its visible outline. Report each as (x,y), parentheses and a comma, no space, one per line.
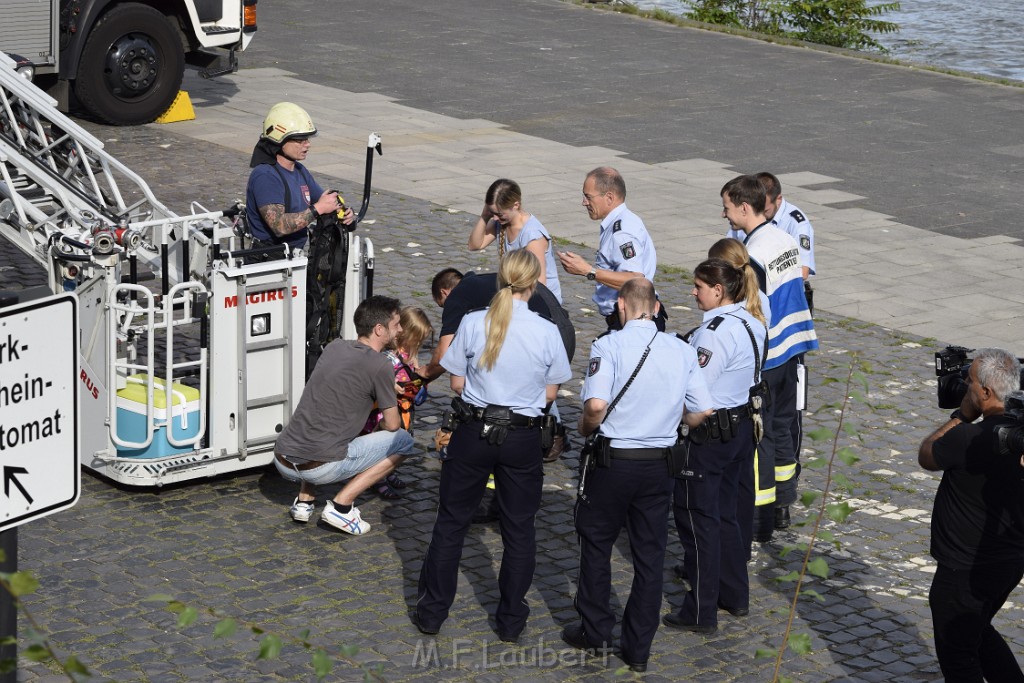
(282,223)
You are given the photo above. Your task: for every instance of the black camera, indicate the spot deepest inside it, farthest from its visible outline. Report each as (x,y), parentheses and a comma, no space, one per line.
(1011,437)
(951,367)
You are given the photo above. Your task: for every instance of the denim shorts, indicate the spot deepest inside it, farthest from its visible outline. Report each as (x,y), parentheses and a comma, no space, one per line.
(363,453)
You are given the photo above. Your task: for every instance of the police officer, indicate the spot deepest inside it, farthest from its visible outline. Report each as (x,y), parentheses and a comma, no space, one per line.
(625,251)
(633,485)
(714,496)
(776,260)
(506,364)
(282,200)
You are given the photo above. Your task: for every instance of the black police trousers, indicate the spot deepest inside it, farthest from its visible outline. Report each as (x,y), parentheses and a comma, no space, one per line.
(634,493)
(711,512)
(517,466)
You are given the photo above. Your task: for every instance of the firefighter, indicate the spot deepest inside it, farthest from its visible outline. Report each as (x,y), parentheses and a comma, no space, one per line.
(282,200)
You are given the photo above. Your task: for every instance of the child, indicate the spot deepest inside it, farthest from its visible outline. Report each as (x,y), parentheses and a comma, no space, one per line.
(404,356)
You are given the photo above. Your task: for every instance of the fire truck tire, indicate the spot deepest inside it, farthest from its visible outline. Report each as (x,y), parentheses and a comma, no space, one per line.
(131,67)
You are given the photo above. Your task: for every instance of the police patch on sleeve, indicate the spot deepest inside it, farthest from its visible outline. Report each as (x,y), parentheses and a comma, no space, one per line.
(627,250)
(703,356)
(595,365)
(805,242)
(797,216)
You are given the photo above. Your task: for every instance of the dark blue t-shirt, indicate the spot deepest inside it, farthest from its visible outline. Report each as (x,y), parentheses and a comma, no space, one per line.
(267,186)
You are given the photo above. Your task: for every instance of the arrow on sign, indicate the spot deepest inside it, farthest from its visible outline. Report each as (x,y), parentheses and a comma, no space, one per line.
(9,476)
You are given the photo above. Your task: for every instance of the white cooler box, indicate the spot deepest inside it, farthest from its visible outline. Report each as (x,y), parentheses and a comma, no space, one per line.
(131,417)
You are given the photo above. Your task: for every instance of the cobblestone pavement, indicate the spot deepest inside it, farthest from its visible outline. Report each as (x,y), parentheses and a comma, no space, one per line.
(228,545)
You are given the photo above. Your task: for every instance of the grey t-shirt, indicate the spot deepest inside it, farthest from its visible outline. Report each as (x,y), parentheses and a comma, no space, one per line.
(348,379)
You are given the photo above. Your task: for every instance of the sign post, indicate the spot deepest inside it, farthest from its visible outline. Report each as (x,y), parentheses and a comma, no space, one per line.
(39,454)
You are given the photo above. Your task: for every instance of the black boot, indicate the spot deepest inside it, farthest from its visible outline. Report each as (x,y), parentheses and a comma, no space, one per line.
(782,517)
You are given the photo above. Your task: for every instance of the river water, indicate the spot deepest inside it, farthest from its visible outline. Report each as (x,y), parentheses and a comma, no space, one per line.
(978,36)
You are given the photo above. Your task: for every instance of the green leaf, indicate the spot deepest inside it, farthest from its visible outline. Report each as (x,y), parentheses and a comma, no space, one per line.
(858,396)
(187,617)
(73,665)
(792,576)
(808,497)
(829,380)
(851,429)
(820,434)
(815,463)
(304,634)
(8,640)
(800,643)
(322,664)
(826,535)
(257,630)
(22,583)
(802,547)
(225,628)
(861,379)
(349,650)
(841,481)
(35,653)
(838,512)
(765,653)
(159,597)
(848,457)
(270,647)
(811,593)
(818,567)
(175,606)
(8,665)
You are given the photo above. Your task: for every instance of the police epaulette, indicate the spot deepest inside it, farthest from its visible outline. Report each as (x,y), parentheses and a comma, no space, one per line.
(617,225)
(797,216)
(474,310)
(715,322)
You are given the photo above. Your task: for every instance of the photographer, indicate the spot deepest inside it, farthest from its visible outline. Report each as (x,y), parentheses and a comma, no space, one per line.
(977,525)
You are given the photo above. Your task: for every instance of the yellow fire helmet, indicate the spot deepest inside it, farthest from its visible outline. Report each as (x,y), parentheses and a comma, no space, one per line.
(285,121)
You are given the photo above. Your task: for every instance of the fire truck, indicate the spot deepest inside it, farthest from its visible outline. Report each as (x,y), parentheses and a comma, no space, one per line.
(192,347)
(123,61)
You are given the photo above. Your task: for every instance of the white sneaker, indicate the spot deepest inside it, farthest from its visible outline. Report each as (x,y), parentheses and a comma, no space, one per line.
(302,510)
(349,522)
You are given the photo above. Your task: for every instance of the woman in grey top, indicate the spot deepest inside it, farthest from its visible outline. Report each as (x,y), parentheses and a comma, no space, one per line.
(503,217)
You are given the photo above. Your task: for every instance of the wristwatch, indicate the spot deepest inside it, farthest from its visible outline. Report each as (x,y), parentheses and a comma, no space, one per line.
(592,275)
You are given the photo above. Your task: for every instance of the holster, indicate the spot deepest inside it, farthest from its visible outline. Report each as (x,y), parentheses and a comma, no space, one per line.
(601,451)
(548,426)
(676,458)
(762,391)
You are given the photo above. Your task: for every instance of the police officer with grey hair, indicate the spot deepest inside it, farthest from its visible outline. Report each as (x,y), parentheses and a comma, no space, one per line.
(506,364)
(625,251)
(639,383)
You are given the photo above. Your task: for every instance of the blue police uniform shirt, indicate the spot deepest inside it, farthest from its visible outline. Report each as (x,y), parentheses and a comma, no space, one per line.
(725,353)
(625,247)
(793,222)
(531,358)
(652,407)
(266,187)
(532,230)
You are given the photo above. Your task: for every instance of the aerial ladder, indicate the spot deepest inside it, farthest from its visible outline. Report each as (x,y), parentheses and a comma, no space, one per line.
(192,346)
